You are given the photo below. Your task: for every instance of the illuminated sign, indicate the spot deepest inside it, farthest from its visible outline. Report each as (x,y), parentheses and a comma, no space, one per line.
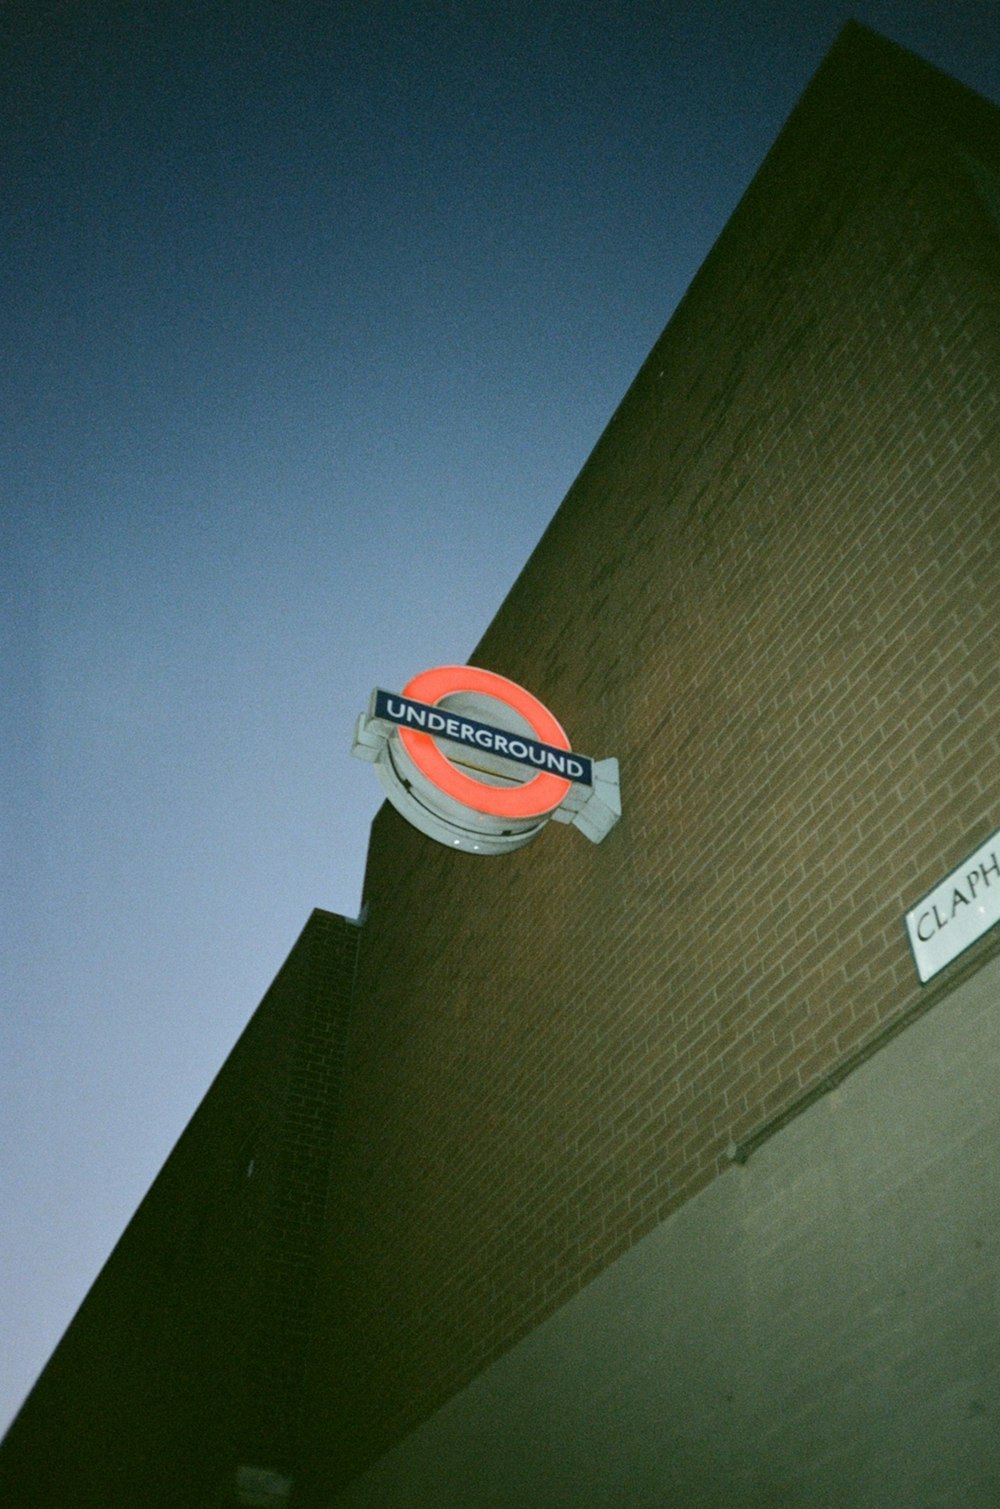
(558,759)
(475,761)
(957,911)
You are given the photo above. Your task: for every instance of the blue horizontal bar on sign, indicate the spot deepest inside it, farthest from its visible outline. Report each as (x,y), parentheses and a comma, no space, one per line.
(407,713)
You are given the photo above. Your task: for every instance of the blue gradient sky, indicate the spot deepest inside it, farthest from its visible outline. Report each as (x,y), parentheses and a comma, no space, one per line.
(312,312)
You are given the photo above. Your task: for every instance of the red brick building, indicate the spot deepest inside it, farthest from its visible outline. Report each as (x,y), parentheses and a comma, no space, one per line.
(648,1172)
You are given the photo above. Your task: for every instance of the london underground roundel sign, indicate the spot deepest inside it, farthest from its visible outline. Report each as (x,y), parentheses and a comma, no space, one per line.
(539,795)
(475,761)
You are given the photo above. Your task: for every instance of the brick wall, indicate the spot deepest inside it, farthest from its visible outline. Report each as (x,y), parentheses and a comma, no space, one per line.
(186,1358)
(772,593)
(816,1327)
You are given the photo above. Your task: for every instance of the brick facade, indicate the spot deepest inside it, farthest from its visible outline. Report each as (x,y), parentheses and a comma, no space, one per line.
(772,593)
(815,1327)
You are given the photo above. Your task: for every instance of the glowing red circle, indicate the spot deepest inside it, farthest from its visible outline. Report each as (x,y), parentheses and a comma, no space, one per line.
(537,797)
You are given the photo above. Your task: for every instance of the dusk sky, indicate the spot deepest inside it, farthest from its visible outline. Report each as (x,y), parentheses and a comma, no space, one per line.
(312,313)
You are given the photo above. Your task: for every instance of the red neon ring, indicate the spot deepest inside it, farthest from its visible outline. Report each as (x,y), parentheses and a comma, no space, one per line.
(537,797)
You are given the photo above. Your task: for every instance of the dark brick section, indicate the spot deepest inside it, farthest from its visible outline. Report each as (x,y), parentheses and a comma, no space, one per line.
(186,1358)
(773,593)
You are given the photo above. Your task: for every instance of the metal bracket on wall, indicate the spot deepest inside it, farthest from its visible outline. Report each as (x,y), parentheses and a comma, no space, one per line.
(594,809)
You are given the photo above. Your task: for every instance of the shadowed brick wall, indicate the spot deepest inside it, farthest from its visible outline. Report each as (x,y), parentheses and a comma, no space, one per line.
(185,1360)
(772,593)
(816,1327)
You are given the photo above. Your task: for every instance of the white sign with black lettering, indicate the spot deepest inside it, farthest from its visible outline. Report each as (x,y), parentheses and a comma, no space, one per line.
(959,910)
